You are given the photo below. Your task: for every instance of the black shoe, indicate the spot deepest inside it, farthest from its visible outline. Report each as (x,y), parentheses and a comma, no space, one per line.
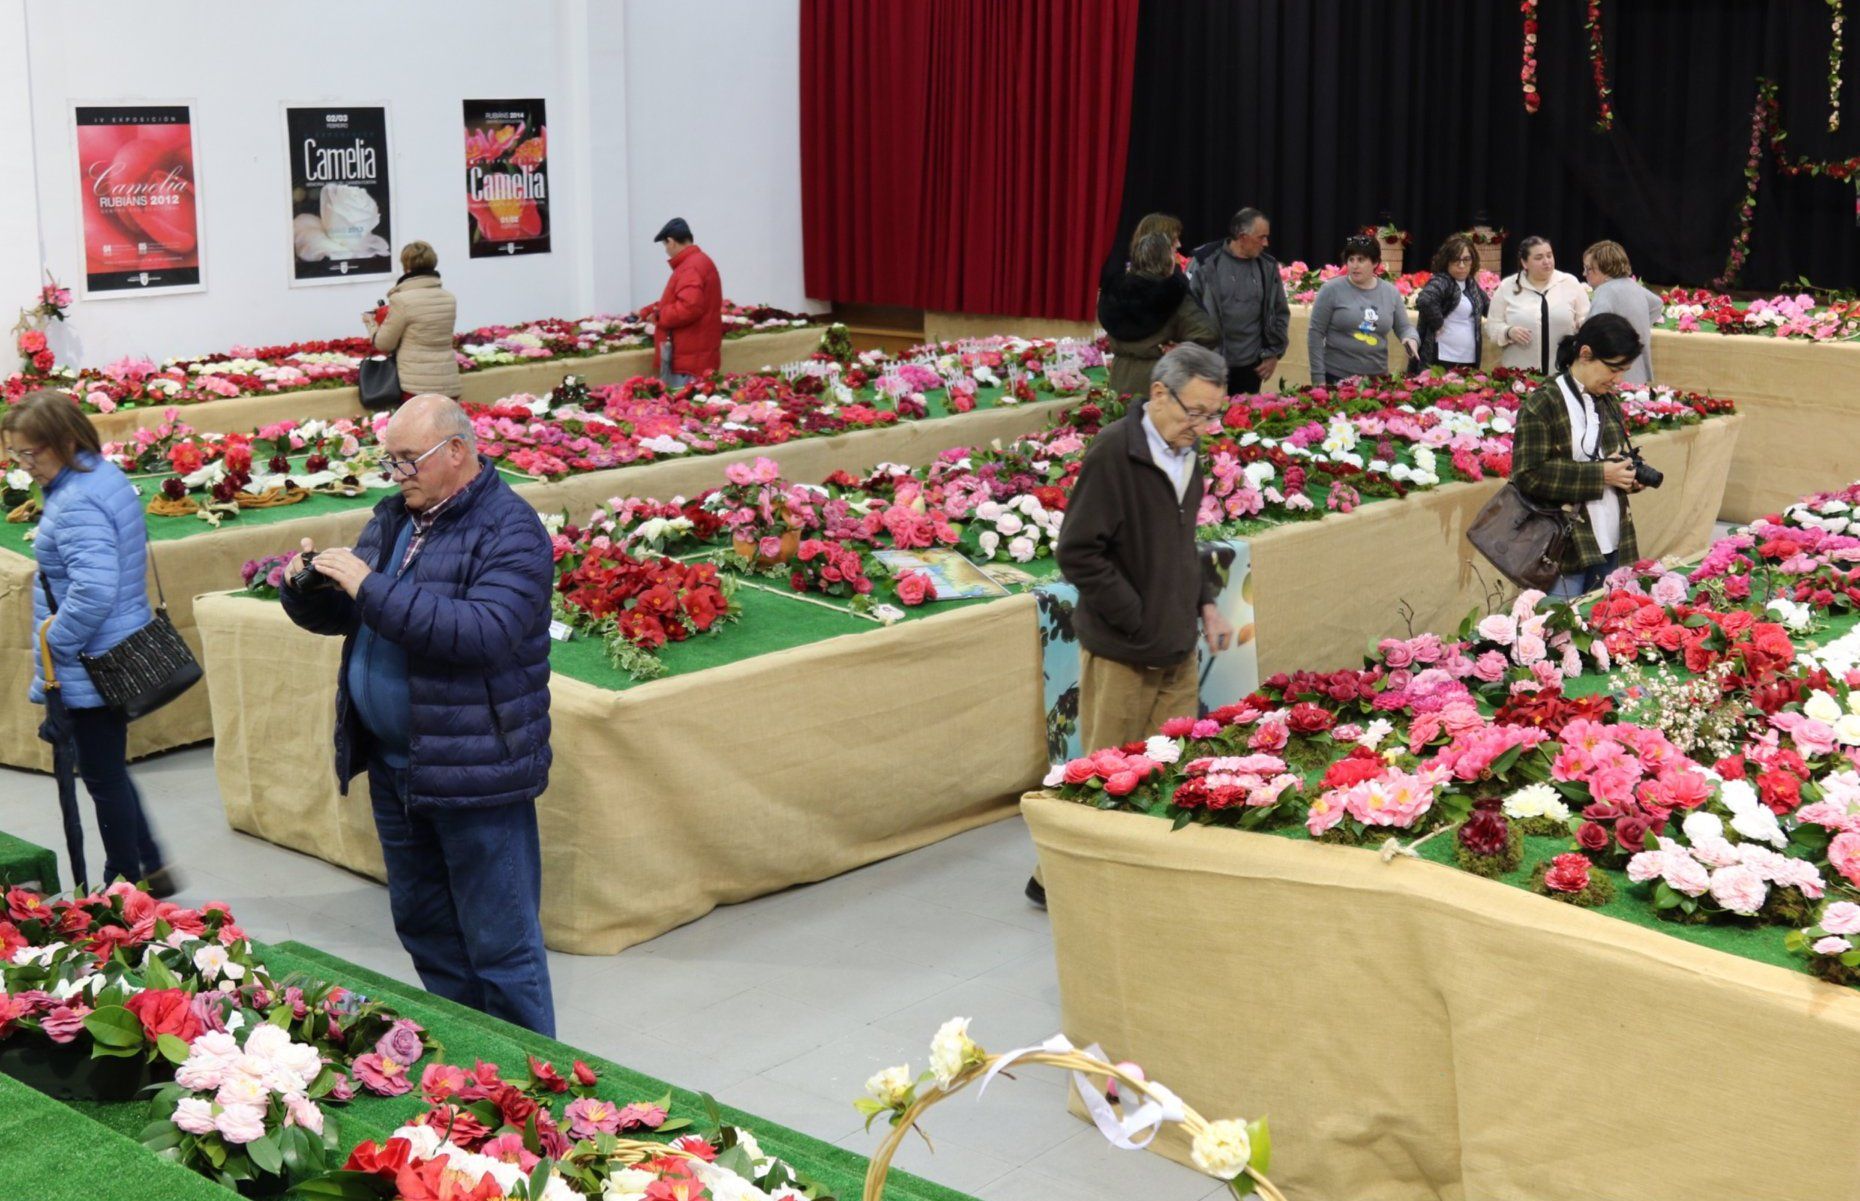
(1036,892)
(162,884)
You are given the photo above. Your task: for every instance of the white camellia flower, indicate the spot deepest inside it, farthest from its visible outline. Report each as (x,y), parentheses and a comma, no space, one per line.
(424,1141)
(19,479)
(1022,550)
(1702,827)
(989,541)
(1847,730)
(628,1184)
(1822,707)
(889,1086)
(1375,732)
(952,1050)
(1159,748)
(1536,800)
(1223,1149)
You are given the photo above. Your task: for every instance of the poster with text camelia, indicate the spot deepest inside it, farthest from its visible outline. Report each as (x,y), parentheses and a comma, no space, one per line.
(341,219)
(507,177)
(140,196)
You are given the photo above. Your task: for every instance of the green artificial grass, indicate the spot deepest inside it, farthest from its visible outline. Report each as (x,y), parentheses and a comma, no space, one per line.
(52,1152)
(465,1036)
(23,862)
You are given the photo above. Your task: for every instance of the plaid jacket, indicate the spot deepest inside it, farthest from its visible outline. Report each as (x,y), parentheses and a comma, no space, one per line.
(1544,468)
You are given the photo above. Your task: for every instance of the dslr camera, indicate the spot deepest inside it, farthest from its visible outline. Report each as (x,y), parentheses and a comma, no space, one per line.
(309,579)
(1645,473)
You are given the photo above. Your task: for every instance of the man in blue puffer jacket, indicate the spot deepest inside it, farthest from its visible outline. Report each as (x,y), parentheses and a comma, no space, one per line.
(444,700)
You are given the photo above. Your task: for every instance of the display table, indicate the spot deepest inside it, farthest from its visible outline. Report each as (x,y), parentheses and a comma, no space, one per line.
(751,352)
(675,796)
(208,559)
(1324,590)
(91,1152)
(1802,401)
(1418,1032)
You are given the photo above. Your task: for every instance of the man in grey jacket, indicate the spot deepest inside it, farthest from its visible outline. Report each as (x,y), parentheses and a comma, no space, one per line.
(1238,284)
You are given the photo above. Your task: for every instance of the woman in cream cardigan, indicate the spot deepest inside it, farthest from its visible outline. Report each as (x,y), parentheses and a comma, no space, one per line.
(417,326)
(1523,305)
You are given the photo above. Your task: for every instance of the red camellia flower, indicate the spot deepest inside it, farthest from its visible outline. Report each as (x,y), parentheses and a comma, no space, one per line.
(1306,718)
(1568,873)
(1485,832)
(165,1011)
(544,1074)
(385,1160)
(1592,836)
(1780,791)
(584,1075)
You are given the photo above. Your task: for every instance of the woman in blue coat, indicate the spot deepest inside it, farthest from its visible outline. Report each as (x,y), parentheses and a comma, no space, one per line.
(93,549)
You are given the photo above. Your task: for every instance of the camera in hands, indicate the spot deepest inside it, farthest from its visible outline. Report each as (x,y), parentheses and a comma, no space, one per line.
(308,578)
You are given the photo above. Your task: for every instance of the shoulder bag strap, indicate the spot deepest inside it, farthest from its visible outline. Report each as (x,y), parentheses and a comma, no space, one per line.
(45,645)
(161,597)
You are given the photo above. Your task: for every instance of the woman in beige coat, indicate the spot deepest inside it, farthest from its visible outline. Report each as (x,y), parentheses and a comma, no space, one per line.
(417,327)
(1523,305)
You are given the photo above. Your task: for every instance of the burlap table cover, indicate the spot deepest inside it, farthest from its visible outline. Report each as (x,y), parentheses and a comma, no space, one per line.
(211,559)
(1322,592)
(237,414)
(1417,1032)
(685,793)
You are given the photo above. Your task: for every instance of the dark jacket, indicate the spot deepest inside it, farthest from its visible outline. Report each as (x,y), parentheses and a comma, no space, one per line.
(1440,296)
(472,612)
(691,314)
(1544,468)
(1245,298)
(1142,314)
(1130,549)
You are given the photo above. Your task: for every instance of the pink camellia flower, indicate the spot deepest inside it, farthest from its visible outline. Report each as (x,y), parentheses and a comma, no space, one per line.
(194,1115)
(1395,652)
(1844,855)
(382,1076)
(1669,589)
(1833,944)
(509,1148)
(1568,873)
(240,1123)
(64,1023)
(1739,889)
(300,1110)
(441,1081)
(1490,667)
(1500,628)
(1842,917)
(638,1115)
(401,1042)
(589,1116)
(1205,728)
(1269,736)
(1177,727)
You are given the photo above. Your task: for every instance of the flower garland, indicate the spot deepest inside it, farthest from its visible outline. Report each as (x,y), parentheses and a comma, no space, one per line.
(1598,67)
(1766,125)
(1834,66)
(1528,74)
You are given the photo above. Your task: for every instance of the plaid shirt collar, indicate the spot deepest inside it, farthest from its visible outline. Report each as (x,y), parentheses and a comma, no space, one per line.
(423,521)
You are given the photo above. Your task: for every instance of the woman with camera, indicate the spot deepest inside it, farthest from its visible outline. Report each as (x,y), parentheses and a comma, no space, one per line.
(92,551)
(1571,450)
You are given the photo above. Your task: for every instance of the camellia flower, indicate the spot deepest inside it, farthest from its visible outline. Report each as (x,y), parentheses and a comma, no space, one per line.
(952,1051)
(891,1086)
(1223,1149)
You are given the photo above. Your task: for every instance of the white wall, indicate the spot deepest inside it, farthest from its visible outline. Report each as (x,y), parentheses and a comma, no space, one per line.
(717,142)
(713,107)
(19,210)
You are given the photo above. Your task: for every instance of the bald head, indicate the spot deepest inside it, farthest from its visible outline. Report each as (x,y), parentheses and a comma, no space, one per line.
(435,427)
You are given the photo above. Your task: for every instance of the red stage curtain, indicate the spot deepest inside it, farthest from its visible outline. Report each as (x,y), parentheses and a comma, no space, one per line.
(963,155)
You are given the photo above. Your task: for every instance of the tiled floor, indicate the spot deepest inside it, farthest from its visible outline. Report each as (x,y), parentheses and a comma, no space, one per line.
(782,1006)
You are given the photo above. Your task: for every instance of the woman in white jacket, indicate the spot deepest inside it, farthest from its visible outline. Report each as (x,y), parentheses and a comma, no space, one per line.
(1534,310)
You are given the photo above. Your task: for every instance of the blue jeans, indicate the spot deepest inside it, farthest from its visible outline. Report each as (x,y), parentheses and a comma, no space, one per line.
(129,849)
(465,887)
(1579,583)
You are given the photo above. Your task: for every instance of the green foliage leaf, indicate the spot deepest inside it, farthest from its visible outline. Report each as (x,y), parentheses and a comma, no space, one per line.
(343,1186)
(172,1049)
(1261,1135)
(266,1155)
(157,975)
(539,1179)
(737,1160)
(113,1026)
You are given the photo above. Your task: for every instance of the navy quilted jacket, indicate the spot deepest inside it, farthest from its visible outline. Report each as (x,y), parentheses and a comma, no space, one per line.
(93,548)
(472,612)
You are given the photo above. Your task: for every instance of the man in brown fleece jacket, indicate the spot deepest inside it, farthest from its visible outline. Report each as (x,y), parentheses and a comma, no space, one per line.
(1128,544)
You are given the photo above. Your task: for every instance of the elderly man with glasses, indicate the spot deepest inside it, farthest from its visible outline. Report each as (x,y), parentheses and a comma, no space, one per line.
(443,698)
(1128,545)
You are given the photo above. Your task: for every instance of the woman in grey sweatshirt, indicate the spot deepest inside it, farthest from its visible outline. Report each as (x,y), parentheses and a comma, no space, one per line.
(1352,317)
(1605,266)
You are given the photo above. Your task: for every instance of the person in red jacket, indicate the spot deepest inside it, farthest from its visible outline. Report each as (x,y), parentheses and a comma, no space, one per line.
(688,332)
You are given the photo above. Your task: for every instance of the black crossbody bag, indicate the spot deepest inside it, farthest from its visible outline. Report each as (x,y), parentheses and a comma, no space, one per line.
(144,671)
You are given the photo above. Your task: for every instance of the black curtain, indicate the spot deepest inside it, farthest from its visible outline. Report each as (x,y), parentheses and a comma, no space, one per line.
(1329,113)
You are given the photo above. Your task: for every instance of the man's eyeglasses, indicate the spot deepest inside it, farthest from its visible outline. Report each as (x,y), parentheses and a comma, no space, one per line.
(1194,415)
(406,469)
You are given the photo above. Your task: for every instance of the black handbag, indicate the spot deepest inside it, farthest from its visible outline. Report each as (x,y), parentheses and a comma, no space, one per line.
(1523,539)
(379,382)
(144,671)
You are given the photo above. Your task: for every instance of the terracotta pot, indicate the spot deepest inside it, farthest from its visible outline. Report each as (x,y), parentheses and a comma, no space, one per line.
(790,544)
(1491,257)
(1391,258)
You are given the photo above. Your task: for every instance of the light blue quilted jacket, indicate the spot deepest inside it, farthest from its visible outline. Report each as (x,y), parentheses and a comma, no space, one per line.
(93,547)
